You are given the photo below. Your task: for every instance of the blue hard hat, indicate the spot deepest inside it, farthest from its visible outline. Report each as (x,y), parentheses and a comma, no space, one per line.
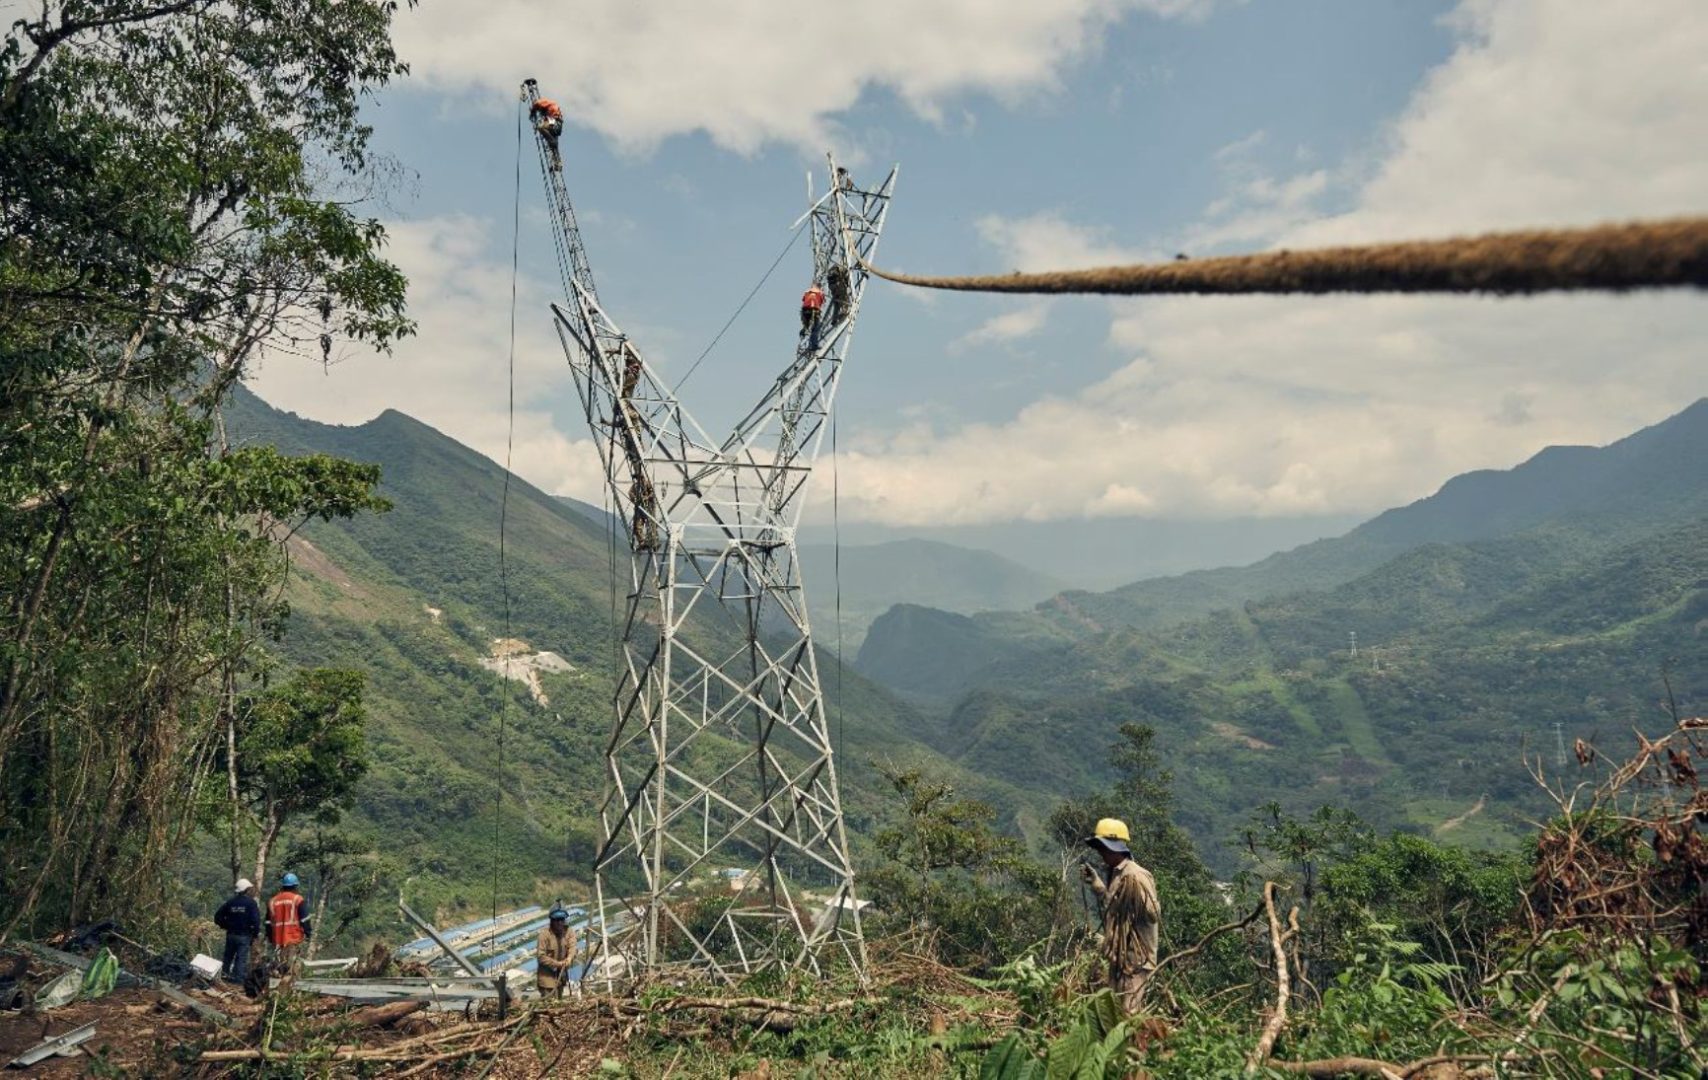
(289,881)
(559,913)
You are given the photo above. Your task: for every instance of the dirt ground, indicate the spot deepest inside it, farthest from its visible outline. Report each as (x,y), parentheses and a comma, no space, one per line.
(136,1033)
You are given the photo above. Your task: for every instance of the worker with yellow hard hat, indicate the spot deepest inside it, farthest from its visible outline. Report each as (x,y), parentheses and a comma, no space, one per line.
(1132,913)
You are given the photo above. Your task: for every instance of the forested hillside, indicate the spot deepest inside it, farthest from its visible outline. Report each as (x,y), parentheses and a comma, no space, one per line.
(1462,646)
(1521,600)
(414,598)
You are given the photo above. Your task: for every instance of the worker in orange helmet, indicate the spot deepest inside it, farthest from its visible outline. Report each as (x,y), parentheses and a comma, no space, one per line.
(548,121)
(812,302)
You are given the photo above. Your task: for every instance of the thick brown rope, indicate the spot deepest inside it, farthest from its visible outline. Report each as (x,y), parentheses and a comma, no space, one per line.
(1639,255)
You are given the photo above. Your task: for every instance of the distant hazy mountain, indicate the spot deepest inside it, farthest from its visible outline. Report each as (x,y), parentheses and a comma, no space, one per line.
(869,579)
(1404,670)
(874,577)
(1101,553)
(1599,496)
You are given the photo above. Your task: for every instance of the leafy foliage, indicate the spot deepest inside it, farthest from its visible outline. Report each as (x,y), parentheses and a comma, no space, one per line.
(179,188)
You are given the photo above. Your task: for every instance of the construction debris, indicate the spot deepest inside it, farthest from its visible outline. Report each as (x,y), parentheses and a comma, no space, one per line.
(127,978)
(65,1045)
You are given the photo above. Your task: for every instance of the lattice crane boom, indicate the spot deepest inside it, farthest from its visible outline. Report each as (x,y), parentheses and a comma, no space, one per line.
(720,757)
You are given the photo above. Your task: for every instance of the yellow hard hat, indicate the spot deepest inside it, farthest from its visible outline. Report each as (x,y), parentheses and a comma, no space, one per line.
(1112,829)
(1110,835)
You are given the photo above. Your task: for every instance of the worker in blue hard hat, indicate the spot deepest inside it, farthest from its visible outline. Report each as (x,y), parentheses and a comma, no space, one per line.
(1132,913)
(287,922)
(556,948)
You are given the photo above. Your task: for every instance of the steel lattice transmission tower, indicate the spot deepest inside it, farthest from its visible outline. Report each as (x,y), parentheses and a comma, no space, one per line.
(720,758)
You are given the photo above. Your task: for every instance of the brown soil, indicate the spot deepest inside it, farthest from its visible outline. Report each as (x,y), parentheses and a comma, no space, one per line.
(1228,731)
(136,1031)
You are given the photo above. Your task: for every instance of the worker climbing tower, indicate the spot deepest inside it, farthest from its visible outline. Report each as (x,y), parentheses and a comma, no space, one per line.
(720,764)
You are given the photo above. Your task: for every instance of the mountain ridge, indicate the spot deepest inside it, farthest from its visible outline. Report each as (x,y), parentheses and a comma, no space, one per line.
(1598,495)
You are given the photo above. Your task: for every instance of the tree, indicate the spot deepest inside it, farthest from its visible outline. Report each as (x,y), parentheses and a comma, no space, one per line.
(339,866)
(180,190)
(301,751)
(1143,797)
(946,868)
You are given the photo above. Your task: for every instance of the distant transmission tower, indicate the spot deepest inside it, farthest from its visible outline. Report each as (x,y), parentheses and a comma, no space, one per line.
(1352,638)
(1559,744)
(720,762)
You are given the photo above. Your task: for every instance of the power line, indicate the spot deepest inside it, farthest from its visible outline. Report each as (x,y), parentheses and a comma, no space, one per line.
(504,520)
(836,562)
(796,235)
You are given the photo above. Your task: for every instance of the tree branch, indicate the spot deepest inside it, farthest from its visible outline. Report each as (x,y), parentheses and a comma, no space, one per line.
(1206,939)
(1283,981)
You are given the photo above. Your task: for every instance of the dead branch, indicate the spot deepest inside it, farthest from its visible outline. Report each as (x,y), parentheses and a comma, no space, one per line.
(386,1015)
(1206,939)
(764,1004)
(1283,982)
(1328,1068)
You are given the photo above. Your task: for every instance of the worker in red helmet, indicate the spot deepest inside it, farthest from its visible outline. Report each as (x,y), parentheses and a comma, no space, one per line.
(548,121)
(812,302)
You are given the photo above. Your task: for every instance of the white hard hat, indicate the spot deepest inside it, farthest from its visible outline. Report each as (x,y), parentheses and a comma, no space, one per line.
(244,884)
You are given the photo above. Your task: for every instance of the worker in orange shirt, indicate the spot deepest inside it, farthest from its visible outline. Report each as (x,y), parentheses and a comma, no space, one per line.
(287,922)
(812,302)
(548,121)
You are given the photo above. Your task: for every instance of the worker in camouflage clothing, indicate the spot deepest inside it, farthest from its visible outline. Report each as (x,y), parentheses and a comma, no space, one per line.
(1132,914)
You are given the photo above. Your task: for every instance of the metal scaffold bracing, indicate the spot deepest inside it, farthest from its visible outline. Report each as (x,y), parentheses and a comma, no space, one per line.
(720,763)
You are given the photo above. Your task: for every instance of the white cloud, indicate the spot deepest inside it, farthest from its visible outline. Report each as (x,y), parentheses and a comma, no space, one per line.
(1549,111)
(1050,242)
(1009,326)
(452,374)
(746,72)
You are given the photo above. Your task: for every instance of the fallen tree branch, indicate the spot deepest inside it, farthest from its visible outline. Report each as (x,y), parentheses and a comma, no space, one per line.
(1283,981)
(1328,1068)
(1207,938)
(386,1015)
(766,1004)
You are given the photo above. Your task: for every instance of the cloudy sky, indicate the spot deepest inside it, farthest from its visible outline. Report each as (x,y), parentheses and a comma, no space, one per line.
(1041,134)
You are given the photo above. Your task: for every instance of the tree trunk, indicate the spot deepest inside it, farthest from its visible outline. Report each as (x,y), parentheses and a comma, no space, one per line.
(228,694)
(326,884)
(231,785)
(269,833)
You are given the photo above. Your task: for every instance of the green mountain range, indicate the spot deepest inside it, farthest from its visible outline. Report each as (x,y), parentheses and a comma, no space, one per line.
(1568,591)
(1590,499)
(414,598)
(1553,593)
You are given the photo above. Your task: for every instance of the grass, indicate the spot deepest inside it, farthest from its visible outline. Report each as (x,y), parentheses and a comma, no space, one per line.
(1355,723)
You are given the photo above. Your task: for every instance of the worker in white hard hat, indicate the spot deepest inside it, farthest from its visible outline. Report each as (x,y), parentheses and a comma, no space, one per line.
(1132,914)
(240,918)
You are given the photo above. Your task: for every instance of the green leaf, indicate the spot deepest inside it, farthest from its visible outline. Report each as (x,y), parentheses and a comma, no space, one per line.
(1068,1053)
(1005,1060)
